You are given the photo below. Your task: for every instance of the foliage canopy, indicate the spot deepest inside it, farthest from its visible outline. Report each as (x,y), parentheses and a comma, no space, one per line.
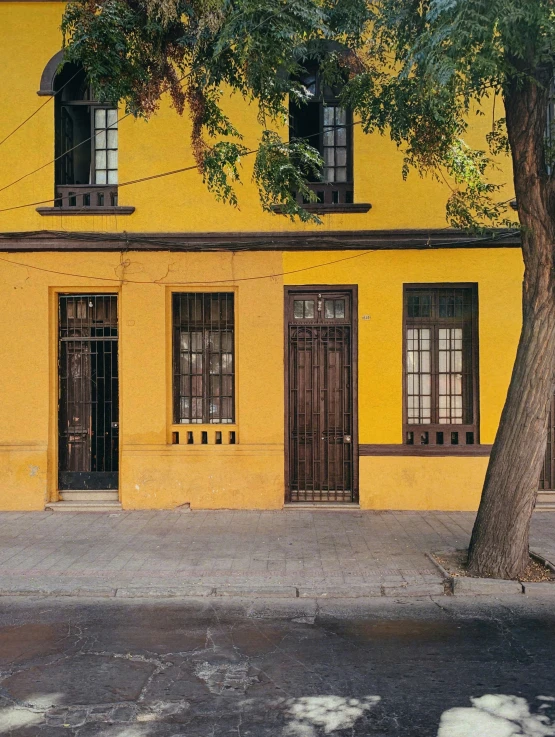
(414,69)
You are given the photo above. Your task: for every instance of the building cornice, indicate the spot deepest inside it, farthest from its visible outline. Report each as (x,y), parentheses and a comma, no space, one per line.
(325,240)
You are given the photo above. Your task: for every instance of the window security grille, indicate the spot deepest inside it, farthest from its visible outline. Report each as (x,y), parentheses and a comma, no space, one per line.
(203,358)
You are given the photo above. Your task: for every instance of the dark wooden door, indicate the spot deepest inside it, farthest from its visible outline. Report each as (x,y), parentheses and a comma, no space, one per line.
(88,406)
(320,397)
(547,479)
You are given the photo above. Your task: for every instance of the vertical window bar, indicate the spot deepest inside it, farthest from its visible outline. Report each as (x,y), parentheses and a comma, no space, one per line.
(204,358)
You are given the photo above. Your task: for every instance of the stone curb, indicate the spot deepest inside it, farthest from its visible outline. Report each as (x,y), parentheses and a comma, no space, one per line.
(247,592)
(470,586)
(258,592)
(485,586)
(163,592)
(534,588)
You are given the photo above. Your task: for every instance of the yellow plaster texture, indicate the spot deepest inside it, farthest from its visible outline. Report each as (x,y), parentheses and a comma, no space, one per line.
(154,472)
(30,36)
(406,482)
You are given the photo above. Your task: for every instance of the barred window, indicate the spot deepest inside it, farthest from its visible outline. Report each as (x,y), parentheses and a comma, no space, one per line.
(203,358)
(440,365)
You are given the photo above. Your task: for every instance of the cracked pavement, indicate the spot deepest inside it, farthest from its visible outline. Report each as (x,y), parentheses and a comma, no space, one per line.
(285,668)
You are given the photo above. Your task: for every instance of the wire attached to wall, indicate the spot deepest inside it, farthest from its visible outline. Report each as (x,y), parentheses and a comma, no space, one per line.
(44,104)
(159,282)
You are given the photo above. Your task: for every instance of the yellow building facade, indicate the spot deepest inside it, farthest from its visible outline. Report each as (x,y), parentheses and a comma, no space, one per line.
(161,349)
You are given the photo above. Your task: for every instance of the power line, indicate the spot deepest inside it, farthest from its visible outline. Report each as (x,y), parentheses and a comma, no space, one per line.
(239,279)
(43,166)
(50,98)
(131,181)
(65,153)
(187,283)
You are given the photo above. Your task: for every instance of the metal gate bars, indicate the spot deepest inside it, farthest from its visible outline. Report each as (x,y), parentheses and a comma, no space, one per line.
(320,397)
(88,406)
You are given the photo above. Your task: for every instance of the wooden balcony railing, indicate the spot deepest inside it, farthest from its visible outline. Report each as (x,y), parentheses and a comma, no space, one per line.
(82,196)
(341,193)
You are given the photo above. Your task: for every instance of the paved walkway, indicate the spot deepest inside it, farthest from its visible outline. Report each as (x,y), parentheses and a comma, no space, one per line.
(222,553)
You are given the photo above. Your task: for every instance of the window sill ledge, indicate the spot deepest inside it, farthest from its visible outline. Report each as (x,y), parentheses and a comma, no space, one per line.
(425,450)
(326,209)
(117,210)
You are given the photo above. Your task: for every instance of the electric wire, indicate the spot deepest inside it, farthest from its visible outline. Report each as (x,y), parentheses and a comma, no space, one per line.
(44,104)
(123,280)
(123,184)
(61,156)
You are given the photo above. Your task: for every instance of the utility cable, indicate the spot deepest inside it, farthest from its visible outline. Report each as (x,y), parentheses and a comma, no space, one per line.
(233,281)
(44,104)
(123,184)
(65,153)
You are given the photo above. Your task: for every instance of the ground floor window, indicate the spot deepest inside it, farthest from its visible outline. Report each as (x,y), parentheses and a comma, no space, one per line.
(203,358)
(440,364)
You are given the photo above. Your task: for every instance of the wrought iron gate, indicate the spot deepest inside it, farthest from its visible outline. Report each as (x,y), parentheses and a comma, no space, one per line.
(88,407)
(547,479)
(320,397)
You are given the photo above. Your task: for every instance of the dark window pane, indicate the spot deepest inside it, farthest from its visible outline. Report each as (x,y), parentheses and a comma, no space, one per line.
(440,381)
(203,356)
(227,342)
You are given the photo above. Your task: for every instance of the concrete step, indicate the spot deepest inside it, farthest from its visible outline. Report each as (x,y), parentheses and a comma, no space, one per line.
(545,501)
(321,506)
(107,495)
(84,506)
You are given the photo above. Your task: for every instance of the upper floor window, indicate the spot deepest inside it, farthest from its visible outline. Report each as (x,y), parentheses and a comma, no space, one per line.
(327,126)
(86,144)
(440,365)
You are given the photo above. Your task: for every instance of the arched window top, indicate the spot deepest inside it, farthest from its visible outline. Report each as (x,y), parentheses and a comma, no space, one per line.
(69,79)
(317,87)
(49,75)
(70,84)
(326,125)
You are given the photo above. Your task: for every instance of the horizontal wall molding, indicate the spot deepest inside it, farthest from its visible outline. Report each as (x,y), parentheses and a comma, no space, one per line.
(87,211)
(313,240)
(329,209)
(445,451)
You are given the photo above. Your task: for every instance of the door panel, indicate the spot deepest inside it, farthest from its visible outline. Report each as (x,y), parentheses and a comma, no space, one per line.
(320,398)
(88,409)
(547,479)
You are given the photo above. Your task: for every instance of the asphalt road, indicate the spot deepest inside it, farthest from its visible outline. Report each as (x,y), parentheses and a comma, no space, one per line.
(413,668)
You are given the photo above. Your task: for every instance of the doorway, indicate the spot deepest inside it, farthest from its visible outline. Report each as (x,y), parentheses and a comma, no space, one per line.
(88,396)
(321,431)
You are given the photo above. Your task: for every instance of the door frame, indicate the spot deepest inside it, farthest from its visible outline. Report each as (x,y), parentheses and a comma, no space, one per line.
(53,490)
(316,288)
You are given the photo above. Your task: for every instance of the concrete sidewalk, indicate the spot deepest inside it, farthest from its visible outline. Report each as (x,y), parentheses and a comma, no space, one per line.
(229,553)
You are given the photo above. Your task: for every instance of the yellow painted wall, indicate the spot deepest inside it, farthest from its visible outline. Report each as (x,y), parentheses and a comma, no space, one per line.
(416,483)
(250,474)
(30,36)
(154,472)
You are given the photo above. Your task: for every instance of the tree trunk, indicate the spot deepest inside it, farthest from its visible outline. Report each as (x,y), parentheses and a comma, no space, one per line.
(500,539)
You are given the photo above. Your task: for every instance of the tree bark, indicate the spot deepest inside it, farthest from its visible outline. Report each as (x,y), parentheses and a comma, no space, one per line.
(499,545)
